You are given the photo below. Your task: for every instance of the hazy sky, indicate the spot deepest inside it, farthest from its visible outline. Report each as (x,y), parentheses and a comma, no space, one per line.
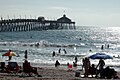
(83,12)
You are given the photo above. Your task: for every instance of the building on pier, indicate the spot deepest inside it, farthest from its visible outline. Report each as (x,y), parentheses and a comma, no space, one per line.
(36,24)
(65,23)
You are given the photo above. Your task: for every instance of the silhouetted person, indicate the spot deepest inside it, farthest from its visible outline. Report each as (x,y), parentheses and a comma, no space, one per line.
(109,73)
(30,36)
(92,70)
(108,46)
(57,63)
(74,64)
(37,45)
(65,51)
(86,66)
(101,65)
(102,47)
(59,50)
(3,68)
(83,63)
(90,50)
(76,59)
(10,50)
(26,54)
(53,54)
(29,69)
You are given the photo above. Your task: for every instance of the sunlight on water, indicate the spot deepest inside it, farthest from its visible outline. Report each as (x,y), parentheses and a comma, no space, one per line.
(41,44)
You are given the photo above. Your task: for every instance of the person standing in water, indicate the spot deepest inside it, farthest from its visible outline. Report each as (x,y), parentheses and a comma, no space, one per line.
(26,53)
(53,54)
(108,46)
(57,63)
(59,50)
(65,51)
(102,47)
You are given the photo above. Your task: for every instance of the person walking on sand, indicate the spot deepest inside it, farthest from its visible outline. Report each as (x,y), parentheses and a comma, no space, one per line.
(26,53)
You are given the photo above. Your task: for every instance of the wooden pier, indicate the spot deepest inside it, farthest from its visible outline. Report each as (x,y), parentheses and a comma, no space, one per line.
(36,24)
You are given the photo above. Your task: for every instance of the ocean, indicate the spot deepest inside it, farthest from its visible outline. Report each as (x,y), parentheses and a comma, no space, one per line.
(41,44)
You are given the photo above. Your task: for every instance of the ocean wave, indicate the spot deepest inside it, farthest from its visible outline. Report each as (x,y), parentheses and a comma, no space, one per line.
(42,43)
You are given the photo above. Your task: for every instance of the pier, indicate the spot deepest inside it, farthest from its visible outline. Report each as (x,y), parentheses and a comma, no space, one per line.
(36,24)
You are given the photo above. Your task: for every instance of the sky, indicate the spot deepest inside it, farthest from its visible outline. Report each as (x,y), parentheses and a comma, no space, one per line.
(83,12)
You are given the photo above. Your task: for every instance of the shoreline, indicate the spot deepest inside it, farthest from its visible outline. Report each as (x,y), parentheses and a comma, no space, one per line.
(49,73)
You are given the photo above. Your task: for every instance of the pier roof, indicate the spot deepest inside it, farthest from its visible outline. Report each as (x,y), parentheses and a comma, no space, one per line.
(64,19)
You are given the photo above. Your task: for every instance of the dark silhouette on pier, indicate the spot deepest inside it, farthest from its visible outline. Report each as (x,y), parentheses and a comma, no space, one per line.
(36,24)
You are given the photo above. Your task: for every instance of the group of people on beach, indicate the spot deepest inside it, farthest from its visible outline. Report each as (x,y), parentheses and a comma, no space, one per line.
(89,68)
(102,71)
(27,68)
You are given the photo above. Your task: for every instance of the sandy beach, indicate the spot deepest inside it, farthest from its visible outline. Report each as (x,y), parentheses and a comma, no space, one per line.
(47,73)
